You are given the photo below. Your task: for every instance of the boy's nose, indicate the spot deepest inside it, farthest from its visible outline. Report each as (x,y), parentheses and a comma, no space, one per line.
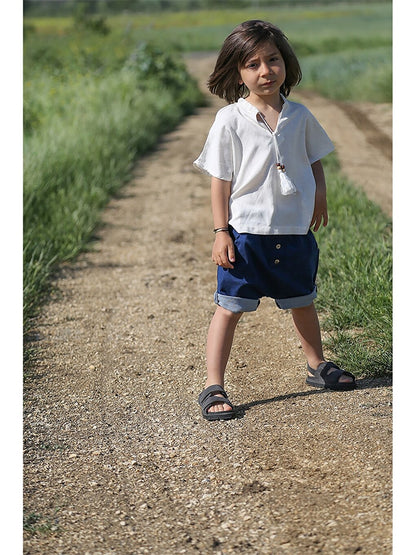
(265,69)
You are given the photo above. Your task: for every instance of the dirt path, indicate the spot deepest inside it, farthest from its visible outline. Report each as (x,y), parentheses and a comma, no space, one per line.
(117,458)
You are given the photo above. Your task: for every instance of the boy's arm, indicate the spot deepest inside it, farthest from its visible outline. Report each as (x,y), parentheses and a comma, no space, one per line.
(320,212)
(223,248)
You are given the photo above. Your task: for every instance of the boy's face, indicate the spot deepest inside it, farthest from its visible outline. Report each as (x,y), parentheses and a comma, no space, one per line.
(264,72)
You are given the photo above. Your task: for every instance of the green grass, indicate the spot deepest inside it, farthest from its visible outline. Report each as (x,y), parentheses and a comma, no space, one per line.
(351,74)
(83,133)
(355,277)
(35,524)
(352,19)
(345,50)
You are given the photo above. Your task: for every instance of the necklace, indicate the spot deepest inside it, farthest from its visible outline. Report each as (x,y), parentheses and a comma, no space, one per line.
(279,166)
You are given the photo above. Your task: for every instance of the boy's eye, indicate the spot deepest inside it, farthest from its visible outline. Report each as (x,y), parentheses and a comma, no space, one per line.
(251,65)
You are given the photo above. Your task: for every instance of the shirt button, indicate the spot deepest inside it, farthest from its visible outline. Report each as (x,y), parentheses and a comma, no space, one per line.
(277,261)
(278,246)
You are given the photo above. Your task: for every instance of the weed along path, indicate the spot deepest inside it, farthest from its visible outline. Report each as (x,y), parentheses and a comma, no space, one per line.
(117,457)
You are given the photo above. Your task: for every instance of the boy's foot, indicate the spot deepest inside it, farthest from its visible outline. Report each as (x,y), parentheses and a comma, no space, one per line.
(330,376)
(219,407)
(215,404)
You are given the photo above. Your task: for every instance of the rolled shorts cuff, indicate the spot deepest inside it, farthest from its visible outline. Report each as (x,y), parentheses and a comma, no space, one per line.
(296,302)
(236,304)
(239,304)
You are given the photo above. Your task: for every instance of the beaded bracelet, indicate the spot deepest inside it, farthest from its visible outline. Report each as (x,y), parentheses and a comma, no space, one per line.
(220,229)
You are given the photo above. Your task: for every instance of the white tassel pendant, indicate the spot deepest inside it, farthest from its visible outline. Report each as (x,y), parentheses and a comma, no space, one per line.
(287,187)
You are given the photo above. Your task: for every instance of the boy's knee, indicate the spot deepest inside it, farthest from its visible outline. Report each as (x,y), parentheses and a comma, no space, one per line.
(303,308)
(228,313)
(307,312)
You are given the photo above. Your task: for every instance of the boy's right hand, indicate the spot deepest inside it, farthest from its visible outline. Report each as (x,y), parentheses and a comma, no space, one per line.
(223,253)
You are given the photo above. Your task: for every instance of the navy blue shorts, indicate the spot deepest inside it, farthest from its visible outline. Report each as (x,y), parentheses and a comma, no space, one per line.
(282,267)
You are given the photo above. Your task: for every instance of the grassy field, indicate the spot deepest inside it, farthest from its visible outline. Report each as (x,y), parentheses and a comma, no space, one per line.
(355,277)
(345,50)
(93,103)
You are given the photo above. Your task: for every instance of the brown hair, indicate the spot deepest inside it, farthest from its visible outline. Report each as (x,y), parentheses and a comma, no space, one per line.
(238,47)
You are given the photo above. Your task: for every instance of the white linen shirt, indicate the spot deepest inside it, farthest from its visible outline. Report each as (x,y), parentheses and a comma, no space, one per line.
(241,149)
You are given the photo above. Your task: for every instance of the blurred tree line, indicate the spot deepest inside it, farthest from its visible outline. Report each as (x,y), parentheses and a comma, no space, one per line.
(69,7)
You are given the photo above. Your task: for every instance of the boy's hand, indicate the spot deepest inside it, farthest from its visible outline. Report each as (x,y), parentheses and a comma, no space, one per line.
(223,253)
(320,212)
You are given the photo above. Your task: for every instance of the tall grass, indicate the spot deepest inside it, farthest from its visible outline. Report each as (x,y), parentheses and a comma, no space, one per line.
(83,133)
(351,75)
(351,41)
(355,277)
(206,29)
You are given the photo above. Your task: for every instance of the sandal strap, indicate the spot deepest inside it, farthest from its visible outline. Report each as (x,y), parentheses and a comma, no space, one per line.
(209,391)
(207,398)
(210,401)
(332,378)
(313,371)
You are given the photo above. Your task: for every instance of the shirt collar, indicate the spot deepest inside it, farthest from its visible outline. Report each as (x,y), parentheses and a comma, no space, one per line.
(251,111)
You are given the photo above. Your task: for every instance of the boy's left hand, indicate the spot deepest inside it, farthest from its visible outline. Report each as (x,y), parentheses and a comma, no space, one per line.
(320,212)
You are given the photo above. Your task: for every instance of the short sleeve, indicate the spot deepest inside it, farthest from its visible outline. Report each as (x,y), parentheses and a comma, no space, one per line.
(216,158)
(318,144)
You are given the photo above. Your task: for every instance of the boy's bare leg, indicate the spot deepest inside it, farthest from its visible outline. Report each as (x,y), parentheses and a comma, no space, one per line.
(309,332)
(219,343)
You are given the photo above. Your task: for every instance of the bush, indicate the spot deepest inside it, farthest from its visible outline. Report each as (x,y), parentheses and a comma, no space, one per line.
(95,24)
